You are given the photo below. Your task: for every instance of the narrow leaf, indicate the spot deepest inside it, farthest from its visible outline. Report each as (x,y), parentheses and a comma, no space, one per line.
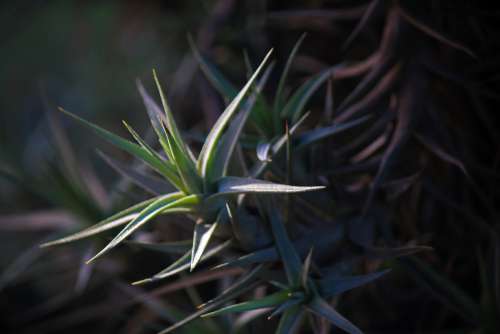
(202,235)
(175,202)
(230,139)
(129,147)
(335,284)
(115,220)
(240,185)
(207,152)
(322,308)
(149,183)
(281,85)
(183,263)
(268,301)
(290,257)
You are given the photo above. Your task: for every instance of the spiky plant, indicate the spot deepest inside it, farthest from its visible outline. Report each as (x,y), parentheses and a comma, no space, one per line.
(221,209)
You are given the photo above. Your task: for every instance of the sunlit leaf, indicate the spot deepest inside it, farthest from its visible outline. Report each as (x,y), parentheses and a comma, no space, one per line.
(118,219)
(171,203)
(205,160)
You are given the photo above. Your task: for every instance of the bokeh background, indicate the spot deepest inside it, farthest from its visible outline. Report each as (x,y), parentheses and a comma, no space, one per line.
(86,56)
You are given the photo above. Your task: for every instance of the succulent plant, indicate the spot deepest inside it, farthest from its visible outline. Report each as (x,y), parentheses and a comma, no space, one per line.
(239,214)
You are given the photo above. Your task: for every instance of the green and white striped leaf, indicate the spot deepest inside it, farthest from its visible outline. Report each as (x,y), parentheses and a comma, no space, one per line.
(240,185)
(175,202)
(184,262)
(142,153)
(225,151)
(207,154)
(201,237)
(118,219)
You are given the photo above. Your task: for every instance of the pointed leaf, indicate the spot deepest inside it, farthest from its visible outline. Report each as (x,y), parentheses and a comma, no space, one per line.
(290,257)
(175,202)
(115,220)
(232,292)
(205,160)
(183,263)
(281,85)
(169,118)
(230,139)
(202,235)
(285,306)
(268,301)
(149,183)
(240,185)
(140,152)
(335,284)
(322,308)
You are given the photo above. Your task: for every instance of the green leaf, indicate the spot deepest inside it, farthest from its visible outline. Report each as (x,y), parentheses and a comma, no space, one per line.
(322,308)
(285,306)
(155,186)
(172,165)
(245,280)
(186,169)
(169,118)
(205,160)
(175,202)
(115,220)
(140,152)
(335,284)
(183,263)
(179,154)
(201,237)
(240,185)
(230,139)
(268,301)
(216,78)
